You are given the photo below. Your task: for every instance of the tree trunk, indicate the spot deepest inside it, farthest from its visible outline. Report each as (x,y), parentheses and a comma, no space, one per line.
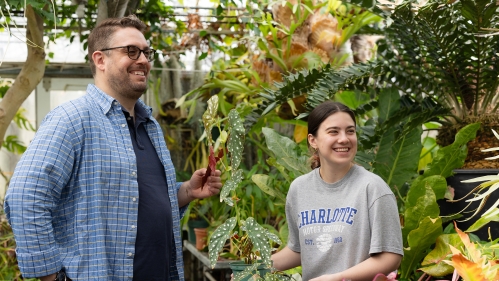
(31,74)
(111,9)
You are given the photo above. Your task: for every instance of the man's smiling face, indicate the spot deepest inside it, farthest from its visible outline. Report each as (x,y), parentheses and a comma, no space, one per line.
(127,77)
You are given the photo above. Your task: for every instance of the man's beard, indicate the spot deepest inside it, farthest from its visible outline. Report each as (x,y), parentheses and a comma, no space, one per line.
(124,87)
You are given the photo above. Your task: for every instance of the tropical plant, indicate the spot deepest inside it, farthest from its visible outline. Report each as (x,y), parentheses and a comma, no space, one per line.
(295,35)
(430,49)
(437,48)
(481,193)
(468,258)
(475,261)
(251,241)
(478,260)
(390,145)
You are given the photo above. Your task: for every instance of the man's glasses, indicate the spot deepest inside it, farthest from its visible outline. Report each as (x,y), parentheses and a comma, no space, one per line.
(134,52)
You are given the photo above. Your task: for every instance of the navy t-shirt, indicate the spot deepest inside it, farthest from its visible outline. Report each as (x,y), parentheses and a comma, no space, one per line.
(153,247)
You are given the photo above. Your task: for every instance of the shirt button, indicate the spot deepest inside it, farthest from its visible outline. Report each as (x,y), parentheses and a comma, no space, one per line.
(133,226)
(133,173)
(123,125)
(130,254)
(134,199)
(115,103)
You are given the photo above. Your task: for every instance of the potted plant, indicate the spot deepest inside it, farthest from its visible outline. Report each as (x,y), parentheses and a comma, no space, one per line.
(250,242)
(483,200)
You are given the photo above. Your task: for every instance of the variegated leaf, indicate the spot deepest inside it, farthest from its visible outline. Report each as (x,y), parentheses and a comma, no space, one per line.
(230,185)
(209,116)
(277,276)
(235,144)
(218,239)
(260,237)
(248,271)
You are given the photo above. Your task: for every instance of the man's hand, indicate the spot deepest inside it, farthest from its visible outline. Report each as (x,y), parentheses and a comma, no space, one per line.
(212,186)
(195,189)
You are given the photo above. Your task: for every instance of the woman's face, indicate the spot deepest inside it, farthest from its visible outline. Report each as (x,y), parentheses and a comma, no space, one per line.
(336,140)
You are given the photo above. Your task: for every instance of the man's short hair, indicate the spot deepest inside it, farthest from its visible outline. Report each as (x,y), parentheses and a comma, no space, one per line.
(101,35)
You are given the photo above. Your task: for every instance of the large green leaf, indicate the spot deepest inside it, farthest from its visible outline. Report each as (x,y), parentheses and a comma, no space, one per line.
(286,152)
(452,156)
(426,206)
(389,103)
(419,241)
(264,182)
(397,158)
(418,189)
(395,141)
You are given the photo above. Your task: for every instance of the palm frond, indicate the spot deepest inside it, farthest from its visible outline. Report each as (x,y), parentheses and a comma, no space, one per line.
(317,84)
(437,52)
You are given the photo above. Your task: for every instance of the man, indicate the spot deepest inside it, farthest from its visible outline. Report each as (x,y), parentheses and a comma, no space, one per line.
(95,193)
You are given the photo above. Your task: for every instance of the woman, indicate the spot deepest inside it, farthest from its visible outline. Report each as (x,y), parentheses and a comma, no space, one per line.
(343,220)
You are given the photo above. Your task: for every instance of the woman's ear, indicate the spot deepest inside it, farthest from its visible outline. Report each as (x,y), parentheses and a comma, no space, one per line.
(311,141)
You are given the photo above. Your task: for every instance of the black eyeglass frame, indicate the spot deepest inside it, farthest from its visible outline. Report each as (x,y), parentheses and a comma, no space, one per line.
(149,57)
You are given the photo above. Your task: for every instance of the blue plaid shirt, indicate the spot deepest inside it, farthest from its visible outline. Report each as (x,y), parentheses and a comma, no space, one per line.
(73,198)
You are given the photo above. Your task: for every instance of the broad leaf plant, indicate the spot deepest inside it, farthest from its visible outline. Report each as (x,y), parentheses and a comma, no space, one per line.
(249,240)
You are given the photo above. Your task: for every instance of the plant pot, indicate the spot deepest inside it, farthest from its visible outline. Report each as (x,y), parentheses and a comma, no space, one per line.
(201,235)
(239,266)
(191,224)
(460,190)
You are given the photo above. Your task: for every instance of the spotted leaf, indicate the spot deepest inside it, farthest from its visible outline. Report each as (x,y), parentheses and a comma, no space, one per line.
(248,271)
(236,139)
(230,185)
(210,117)
(260,237)
(218,239)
